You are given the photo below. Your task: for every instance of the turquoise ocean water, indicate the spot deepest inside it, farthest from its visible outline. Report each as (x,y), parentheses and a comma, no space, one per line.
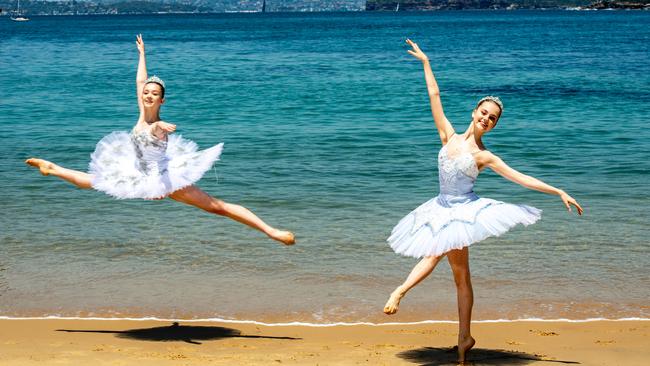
(327,132)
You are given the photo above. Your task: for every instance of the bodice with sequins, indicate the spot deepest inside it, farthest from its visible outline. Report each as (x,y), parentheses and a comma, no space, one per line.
(457,175)
(150,151)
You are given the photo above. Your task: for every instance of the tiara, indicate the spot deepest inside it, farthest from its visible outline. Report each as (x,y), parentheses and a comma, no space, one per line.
(492,99)
(155,79)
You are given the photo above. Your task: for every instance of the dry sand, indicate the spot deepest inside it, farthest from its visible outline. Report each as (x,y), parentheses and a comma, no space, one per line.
(143,343)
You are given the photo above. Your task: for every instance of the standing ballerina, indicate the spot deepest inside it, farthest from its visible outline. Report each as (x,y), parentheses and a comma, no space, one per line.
(150,163)
(449,223)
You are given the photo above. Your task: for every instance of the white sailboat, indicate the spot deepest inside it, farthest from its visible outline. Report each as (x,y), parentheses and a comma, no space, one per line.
(18,17)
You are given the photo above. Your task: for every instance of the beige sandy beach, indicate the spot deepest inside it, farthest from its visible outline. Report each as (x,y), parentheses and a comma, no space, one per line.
(121,342)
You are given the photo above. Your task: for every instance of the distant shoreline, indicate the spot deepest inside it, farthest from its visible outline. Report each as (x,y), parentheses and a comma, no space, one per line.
(7,14)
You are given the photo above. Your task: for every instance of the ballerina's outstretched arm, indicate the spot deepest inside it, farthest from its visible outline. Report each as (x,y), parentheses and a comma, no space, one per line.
(487,159)
(445,129)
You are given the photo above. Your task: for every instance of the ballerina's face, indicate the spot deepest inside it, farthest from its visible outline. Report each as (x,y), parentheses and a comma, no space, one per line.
(486,115)
(153,95)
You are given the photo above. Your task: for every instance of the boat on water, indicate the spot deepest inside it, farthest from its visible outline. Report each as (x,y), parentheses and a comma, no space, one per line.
(18,17)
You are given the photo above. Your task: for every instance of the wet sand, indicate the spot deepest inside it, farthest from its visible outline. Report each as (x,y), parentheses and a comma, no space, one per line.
(128,342)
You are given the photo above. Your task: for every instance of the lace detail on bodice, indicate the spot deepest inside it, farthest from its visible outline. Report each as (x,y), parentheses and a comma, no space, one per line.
(456,175)
(146,139)
(150,151)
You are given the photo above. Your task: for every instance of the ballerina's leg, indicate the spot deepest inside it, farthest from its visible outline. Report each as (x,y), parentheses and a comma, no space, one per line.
(193,196)
(80,179)
(459,262)
(418,273)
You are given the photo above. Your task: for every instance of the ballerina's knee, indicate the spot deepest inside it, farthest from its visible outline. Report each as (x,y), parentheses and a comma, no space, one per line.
(462,278)
(432,258)
(218,207)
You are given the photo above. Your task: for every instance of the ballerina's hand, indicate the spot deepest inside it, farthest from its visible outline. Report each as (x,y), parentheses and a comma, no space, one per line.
(568,201)
(167,127)
(140,43)
(416,51)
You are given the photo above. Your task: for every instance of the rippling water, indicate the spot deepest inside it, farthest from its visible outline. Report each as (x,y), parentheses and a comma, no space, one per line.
(327,132)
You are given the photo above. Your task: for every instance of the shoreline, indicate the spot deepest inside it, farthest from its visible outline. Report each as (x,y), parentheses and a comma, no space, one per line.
(341,313)
(149,342)
(319,325)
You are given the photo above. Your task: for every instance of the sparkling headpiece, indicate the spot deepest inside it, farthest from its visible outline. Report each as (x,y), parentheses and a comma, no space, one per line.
(492,99)
(155,79)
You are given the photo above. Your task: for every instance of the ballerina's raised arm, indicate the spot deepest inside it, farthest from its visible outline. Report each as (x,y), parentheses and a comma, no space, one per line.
(445,129)
(141,76)
(151,95)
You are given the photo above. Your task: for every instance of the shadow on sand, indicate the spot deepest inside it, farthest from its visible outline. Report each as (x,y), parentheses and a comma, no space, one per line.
(432,356)
(176,332)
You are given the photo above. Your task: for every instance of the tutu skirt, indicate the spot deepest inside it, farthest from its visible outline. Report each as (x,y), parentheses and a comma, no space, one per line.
(446,222)
(123,170)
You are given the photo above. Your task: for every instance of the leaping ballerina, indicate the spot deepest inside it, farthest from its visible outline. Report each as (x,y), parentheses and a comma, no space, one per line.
(448,224)
(152,163)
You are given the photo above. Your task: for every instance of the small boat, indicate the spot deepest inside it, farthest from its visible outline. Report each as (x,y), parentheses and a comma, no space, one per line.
(18,17)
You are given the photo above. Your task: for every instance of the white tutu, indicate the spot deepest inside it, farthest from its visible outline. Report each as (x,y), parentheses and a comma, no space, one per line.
(457,217)
(138,165)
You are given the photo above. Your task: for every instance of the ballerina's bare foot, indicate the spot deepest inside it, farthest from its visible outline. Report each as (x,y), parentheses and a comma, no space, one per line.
(463,347)
(392,305)
(44,166)
(284,237)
